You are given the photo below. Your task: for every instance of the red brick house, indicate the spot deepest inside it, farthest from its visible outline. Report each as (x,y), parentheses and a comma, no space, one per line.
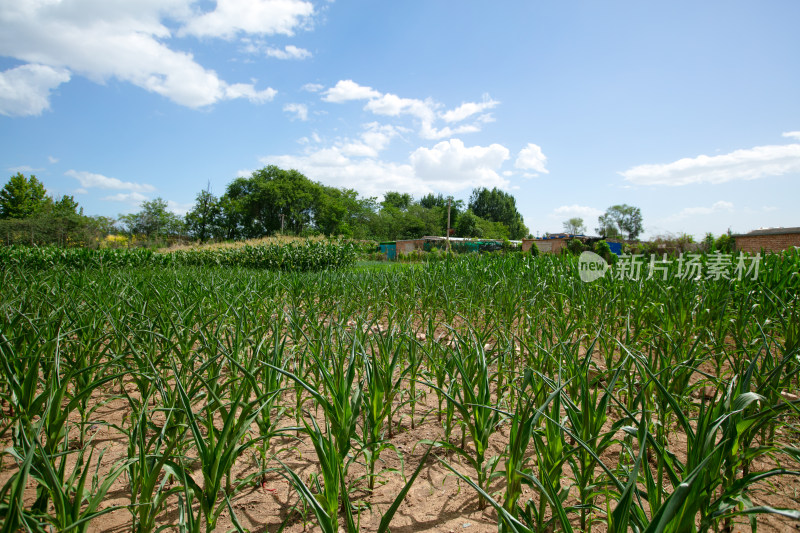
(769,239)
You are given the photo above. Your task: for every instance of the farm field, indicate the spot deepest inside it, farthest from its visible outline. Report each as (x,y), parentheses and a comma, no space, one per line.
(475,393)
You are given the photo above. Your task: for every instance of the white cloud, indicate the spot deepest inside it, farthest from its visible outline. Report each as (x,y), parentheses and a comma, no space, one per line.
(312,87)
(425,111)
(288,52)
(24,168)
(452,166)
(370,177)
(429,132)
(747,164)
(392,105)
(133,198)
(52,160)
(468,109)
(89,180)
(127,41)
(264,17)
(245,90)
(792,134)
(717,207)
(378,136)
(346,90)
(25,90)
(531,158)
(300,111)
(585,212)
(448,166)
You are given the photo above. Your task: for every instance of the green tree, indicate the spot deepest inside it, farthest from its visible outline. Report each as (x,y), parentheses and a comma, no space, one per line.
(154,220)
(342,212)
(22,197)
(608,227)
(398,200)
(498,206)
(725,243)
(619,219)
(271,200)
(574,226)
(438,203)
(468,225)
(204,216)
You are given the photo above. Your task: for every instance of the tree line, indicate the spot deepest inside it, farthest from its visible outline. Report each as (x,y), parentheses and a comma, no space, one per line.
(269,201)
(28,215)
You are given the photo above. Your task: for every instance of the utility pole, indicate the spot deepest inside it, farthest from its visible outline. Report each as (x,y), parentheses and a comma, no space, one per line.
(448,223)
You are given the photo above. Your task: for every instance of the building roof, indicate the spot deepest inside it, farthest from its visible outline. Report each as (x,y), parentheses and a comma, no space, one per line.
(768,231)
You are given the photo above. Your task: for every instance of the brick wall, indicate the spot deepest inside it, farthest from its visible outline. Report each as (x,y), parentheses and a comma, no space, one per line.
(547,246)
(408,246)
(774,243)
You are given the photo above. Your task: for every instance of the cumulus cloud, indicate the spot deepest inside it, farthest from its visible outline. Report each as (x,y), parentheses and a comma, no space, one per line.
(452,166)
(792,134)
(532,159)
(747,164)
(288,52)
(393,105)
(89,180)
(264,17)
(25,90)
(370,177)
(300,111)
(245,90)
(426,112)
(346,90)
(130,41)
(449,166)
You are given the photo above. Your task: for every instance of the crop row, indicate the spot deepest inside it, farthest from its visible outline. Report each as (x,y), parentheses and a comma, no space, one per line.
(557,401)
(305,256)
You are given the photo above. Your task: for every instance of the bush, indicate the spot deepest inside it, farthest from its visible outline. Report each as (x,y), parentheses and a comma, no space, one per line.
(725,244)
(534,250)
(602,249)
(575,246)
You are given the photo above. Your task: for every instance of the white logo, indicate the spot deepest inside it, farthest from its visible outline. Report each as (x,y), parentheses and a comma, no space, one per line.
(591,266)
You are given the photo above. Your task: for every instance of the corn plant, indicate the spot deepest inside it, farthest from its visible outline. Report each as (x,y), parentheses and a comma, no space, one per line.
(218,449)
(472,400)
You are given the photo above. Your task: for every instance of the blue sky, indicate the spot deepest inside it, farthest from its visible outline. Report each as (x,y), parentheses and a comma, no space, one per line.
(688,110)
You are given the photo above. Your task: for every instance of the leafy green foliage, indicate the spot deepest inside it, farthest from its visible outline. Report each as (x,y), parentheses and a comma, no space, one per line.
(575,226)
(619,219)
(22,197)
(311,255)
(498,206)
(155,220)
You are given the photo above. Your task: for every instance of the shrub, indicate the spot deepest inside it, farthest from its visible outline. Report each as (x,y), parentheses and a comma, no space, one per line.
(602,249)
(575,246)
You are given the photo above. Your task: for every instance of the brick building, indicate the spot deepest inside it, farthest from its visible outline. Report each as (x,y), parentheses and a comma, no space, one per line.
(770,239)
